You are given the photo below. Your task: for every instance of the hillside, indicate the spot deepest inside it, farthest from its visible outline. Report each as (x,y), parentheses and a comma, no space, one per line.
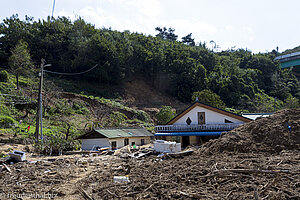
(67,114)
(105,78)
(243,80)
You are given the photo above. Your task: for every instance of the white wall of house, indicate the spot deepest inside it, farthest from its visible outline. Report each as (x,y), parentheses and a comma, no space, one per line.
(211,117)
(89,144)
(137,140)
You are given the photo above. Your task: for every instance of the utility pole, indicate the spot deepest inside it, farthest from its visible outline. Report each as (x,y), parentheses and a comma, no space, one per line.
(39,115)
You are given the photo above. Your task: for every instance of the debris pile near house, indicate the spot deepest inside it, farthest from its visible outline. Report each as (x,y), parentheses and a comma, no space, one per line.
(280,131)
(195,176)
(199,176)
(134,152)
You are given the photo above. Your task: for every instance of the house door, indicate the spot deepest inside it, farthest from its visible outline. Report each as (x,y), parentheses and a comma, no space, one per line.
(185,141)
(114,145)
(126,141)
(201,117)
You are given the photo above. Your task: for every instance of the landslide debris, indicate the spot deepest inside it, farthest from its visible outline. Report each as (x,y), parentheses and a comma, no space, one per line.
(270,135)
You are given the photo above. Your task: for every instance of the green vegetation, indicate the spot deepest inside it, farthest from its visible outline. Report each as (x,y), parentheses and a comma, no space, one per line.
(288,51)
(234,80)
(291,102)
(165,114)
(237,76)
(3,76)
(19,60)
(6,121)
(209,98)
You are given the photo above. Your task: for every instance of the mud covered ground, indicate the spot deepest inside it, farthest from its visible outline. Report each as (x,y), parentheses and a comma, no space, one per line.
(259,160)
(198,176)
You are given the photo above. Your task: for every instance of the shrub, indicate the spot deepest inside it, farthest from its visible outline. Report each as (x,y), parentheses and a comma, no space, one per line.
(291,102)
(80,108)
(117,118)
(6,121)
(210,98)
(142,115)
(3,76)
(165,114)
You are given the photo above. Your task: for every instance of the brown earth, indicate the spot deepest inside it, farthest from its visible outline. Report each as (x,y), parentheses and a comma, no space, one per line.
(137,93)
(198,176)
(270,134)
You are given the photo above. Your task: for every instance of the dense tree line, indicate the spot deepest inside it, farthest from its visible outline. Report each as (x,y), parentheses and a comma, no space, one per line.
(242,79)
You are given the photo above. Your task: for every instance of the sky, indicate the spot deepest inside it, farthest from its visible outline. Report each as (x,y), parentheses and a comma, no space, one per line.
(258,25)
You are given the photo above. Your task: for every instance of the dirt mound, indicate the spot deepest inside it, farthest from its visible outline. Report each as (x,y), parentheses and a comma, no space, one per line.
(270,134)
(140,94)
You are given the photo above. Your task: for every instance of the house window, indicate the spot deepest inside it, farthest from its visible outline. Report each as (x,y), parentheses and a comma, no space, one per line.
(228,121)
(188,121)
(201,117)
(126,141)
(142,141)
(113,145)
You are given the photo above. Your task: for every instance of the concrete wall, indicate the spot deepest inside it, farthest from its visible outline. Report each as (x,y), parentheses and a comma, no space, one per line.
(88,144)
(211,117)
(137,140)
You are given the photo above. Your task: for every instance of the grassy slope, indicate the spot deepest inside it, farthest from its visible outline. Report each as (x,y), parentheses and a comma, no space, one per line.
(80,105)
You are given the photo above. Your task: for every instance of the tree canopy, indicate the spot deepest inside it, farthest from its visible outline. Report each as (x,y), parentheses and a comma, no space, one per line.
(240,78)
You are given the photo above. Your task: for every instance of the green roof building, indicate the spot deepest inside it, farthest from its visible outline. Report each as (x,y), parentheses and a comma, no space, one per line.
(115,138)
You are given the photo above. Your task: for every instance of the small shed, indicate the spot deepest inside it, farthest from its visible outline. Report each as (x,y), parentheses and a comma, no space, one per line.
(115,138)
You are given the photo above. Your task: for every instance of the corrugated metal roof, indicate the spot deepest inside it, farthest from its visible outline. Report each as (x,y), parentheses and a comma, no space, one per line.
(124,132)
(288,55)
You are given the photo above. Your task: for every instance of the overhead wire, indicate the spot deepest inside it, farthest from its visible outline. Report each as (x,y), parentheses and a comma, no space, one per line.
(71,74)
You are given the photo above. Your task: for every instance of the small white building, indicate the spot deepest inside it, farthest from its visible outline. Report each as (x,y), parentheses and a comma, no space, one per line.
(197,123)
(114,138)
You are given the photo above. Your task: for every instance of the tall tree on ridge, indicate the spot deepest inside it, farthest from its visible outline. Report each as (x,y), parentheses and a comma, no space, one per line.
(188,40)
(20,61)
(166,34)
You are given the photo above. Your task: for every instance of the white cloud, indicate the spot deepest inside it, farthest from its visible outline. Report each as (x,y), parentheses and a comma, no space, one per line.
(193,26)
(227,45)
(149,8)
(247,29)
(229,28)
(140,16)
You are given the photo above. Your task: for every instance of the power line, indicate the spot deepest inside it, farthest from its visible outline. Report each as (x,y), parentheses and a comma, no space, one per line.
(71,74)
